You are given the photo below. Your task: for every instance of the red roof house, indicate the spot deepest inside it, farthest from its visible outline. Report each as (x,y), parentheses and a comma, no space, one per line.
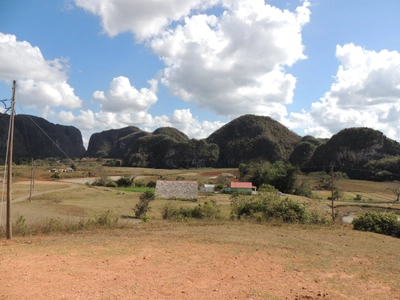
(243,185)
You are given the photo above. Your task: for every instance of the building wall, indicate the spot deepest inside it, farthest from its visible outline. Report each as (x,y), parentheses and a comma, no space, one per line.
(187,190)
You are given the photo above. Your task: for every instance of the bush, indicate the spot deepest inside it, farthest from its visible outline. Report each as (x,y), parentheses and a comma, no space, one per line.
(151,184)
(384,223)
(104,220)
(20,227)
(99,182)
(104,181)
(125,181)
(140,183)
(219,187)
(143,206)
(55,175)
(303,190)
(111,184)
(209,210)
(268,206)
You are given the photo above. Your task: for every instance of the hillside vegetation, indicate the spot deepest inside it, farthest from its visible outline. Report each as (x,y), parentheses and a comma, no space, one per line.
(362,153)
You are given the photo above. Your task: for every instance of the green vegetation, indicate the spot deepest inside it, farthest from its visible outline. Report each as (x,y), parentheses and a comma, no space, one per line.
(164,151)
(280,175)
(209,210)
(383,223)
(143,206)
(253,138)
(269,207)
(303,151)
(137,189)
(125,181)
(365,153)
(56,225)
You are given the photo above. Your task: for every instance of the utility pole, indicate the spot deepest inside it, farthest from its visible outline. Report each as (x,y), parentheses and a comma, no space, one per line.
(32,182)
(332,188)
(9,164)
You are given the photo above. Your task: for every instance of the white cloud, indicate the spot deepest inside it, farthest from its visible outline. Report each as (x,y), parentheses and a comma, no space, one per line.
(184,121)
(365,93)
(318,131)
(231,64)
(121,96)
(41,83)
(234,64)
(143,18)
(89,122)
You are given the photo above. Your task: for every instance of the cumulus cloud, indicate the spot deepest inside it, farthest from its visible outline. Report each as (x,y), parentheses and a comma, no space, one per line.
(231,64)
(121,96)
(183,120)
(143,18)
(191,126)
(366,93)
(41,83)
(234,64)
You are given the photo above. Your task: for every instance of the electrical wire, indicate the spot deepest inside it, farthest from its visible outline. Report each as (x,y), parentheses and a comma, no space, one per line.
(41,129)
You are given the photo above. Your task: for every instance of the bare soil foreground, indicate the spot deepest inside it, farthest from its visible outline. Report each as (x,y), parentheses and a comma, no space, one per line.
(229,260)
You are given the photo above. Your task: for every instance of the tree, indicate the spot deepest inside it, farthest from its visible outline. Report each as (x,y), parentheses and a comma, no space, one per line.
(396,191)
(143,206)
(280,175)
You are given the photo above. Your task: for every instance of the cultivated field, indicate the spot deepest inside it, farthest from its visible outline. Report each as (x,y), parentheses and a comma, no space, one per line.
(194,259)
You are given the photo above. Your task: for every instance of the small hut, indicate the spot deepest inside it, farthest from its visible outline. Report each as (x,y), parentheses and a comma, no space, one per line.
(207,188)
(182,189)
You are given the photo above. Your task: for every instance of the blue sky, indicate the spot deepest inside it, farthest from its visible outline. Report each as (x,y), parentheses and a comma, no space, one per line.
(315,66)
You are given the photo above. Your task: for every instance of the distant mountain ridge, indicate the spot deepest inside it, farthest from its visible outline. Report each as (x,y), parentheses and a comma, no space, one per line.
(35,137)
(248,138)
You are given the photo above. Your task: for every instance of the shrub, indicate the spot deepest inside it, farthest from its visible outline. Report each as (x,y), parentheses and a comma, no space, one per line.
(52,225)
(111,184)
(125,181)
(242,206)
(267,206)
(384,223)
(99,182)
(104,181)
(55,175)
(140,183)
(143,206)
(151,184)
(105,220)
(209,210)
(303,190)
(219,187)
(20,227)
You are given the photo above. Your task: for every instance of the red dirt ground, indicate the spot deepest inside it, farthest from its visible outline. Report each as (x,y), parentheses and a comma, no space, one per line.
(94,266)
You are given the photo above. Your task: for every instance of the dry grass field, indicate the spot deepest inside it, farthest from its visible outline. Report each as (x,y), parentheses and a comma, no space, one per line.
(194,259)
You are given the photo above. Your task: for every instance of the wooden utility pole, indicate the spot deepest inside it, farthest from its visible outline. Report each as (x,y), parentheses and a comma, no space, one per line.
(9,164)
(333,204)
(32,182)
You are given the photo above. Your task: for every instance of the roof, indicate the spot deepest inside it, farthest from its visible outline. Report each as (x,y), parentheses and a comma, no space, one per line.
(242,185)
